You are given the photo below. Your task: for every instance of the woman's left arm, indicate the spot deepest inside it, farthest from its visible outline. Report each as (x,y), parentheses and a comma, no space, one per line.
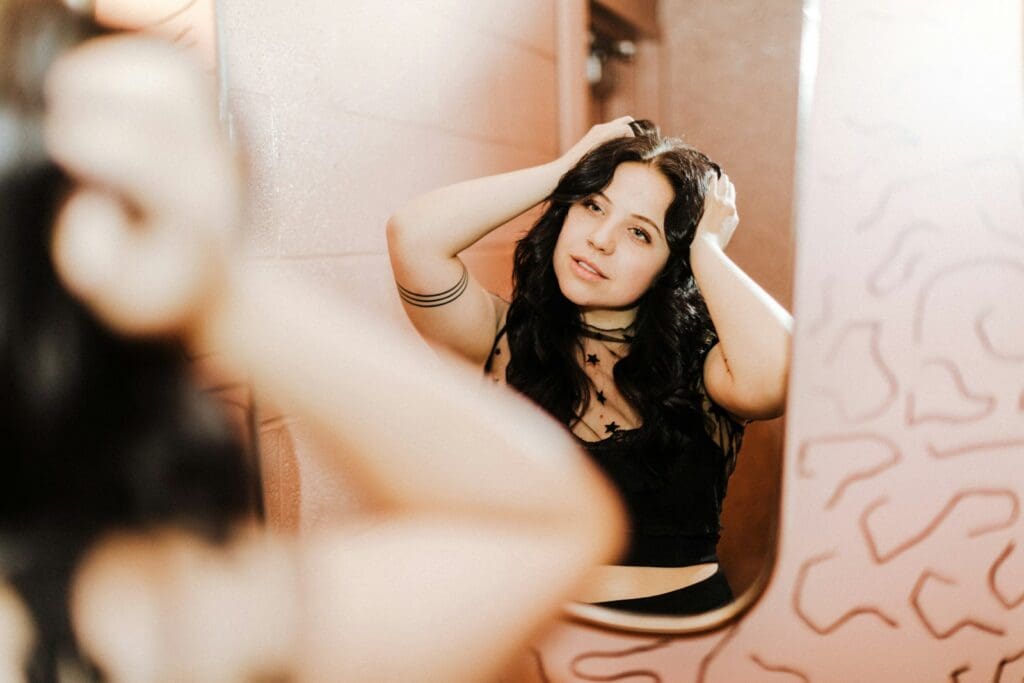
(745,372)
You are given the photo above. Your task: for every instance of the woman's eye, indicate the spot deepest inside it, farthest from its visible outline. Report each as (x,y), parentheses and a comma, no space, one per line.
(640,234)
(592,206)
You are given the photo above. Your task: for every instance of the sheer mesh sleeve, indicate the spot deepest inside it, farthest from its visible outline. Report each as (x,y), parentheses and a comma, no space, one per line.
(724,429)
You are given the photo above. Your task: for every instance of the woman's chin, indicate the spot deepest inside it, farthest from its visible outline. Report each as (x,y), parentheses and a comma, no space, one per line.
(582,294)
(575,296)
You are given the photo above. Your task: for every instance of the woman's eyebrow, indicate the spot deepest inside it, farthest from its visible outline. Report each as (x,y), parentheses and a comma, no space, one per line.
(637,216)
(647,220)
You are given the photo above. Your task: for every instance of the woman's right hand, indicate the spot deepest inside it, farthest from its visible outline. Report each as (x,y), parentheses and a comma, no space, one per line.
(596,136)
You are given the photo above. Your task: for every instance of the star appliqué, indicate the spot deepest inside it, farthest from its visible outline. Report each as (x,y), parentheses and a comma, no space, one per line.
(592,359)
(611,427)
(601,397)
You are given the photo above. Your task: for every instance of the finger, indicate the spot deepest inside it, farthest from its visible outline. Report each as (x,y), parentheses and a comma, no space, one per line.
(140,279)
(134,66)
(16,634)
(97,151)
(89,242)
(623,126)
(153,168)
(116,605)
(724,187)
(712,184)
(731,195)
(116,105)
(135,280)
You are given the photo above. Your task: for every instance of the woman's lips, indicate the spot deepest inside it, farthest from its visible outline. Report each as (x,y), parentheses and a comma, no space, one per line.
(586,270)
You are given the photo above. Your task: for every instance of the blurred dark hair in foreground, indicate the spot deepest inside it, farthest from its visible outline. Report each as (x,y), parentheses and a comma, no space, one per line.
(99,432)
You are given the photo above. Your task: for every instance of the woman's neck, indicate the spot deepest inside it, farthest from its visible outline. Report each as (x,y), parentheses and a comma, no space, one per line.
(609,319)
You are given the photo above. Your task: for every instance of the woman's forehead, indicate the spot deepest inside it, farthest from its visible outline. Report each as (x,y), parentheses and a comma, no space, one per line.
(640,188)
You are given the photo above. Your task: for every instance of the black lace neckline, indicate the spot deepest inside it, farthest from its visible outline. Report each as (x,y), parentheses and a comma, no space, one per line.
(618,435)
(621,335)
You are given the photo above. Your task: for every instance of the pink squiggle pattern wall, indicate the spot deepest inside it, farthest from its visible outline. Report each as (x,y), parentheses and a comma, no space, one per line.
(901,535)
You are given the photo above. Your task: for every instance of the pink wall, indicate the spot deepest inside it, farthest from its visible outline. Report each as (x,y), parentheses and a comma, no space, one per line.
(350,109)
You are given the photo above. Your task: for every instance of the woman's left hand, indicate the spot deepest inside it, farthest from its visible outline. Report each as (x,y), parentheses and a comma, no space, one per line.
(720,216)
(144,238)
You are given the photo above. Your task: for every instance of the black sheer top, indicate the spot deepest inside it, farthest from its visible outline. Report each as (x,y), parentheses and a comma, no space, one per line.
(672,478)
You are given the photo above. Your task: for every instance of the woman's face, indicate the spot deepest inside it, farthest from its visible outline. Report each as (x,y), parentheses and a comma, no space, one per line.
(612,245)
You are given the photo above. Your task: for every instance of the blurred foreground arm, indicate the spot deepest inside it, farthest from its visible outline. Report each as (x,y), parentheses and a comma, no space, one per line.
(483,515)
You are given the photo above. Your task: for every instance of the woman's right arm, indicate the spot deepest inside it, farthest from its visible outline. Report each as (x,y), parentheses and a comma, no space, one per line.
(446,304)
(483,516)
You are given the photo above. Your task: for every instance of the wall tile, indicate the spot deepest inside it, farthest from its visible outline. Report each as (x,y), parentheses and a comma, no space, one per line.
(400,63)
(342,175)
(256,135)
(527,22)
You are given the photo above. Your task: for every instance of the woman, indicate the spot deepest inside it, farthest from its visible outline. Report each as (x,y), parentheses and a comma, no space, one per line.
(124,549)
(628,323)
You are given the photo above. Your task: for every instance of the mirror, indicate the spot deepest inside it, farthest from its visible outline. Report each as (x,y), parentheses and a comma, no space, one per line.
(348,111)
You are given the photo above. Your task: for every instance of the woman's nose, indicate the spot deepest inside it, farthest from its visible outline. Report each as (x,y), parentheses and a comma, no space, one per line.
(602,237)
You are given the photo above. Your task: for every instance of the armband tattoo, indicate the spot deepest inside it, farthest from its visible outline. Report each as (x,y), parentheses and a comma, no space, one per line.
(434,300)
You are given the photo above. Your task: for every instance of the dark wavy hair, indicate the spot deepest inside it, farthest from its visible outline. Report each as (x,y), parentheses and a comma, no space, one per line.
(99,432)
(672,331)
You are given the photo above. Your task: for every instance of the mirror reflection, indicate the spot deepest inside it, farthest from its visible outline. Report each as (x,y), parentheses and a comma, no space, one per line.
(639,204)
(628,323)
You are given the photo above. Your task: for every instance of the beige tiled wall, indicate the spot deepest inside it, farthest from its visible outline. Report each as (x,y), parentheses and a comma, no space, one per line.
(349,109)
